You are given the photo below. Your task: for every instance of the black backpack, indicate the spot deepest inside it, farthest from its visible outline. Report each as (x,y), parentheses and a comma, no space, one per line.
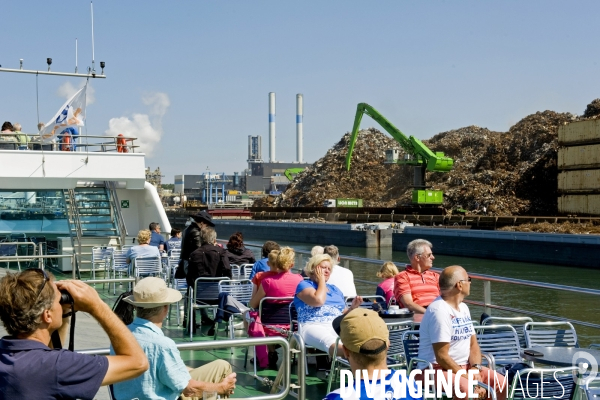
(123,309)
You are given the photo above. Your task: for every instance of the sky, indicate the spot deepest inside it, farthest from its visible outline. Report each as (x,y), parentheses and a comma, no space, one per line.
(191,79)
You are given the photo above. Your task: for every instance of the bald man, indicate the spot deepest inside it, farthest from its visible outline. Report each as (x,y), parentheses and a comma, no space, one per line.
(448,339)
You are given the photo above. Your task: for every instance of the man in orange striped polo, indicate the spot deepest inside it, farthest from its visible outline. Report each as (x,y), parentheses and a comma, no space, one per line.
(416,287)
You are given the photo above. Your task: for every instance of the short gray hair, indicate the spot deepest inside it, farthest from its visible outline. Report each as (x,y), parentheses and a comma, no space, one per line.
(416,247)
(333,252)
(316,250)
(148,313)
(17,126)
(208,235)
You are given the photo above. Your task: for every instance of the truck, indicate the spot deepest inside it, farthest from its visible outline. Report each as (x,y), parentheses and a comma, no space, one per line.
(419,156)
(357,203)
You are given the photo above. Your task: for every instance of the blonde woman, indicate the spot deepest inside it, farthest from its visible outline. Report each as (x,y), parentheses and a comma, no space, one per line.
(319,303)
(143,249)
(386,288)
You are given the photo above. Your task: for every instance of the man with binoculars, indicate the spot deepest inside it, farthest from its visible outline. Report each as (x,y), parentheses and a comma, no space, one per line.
(31,310)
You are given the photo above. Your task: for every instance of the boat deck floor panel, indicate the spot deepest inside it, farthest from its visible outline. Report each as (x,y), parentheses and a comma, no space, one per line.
(89,335)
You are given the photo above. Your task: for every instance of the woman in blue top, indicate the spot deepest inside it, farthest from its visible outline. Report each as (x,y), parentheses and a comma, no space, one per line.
(142,250)
(318,303)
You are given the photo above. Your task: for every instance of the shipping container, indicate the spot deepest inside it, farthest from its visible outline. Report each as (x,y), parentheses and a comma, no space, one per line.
(233,192)
(255,192)
(349,202)
(579,180)
(428,197)
(584,204)
(579,132)
(579,157)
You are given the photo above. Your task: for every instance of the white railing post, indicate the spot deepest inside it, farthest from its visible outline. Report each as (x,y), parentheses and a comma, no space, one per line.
(487,297)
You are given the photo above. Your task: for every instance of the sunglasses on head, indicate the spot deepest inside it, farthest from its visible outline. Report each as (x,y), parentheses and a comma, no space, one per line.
(46,279)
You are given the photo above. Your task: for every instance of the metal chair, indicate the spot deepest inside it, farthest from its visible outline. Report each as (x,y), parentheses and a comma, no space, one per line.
(119,265)
(148,266)
(102,256)
(204,294)
(182,286)
(500,341)
(272,311)
(591,387)
(547,334)
(527,383)
(241,290)
(410,345)
(516,322)
(235,271)
(175,253)
(294,327)
(175,245)
(246,270)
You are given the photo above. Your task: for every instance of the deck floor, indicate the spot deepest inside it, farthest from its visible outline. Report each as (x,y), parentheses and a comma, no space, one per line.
(89,335)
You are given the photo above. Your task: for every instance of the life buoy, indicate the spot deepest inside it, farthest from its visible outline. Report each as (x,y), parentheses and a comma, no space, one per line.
(65,143)
(122,144)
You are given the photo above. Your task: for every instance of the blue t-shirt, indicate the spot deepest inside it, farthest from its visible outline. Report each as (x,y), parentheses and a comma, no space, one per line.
(334,304)
(31,370)
(173,243)
(260,266)
(156,239)
(375,391)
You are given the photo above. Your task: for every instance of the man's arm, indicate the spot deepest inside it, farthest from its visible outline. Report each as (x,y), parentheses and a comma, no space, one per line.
(411,305)
(130,360)
(442,357)
(475,355)
(225,387)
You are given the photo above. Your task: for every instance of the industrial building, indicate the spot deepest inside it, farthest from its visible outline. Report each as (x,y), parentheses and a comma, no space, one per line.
(258,179)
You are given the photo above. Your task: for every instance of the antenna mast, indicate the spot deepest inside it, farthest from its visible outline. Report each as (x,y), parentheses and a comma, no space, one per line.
(75,55)
(93,58)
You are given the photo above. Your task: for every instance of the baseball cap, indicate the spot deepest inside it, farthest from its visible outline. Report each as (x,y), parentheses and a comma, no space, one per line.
(358,326)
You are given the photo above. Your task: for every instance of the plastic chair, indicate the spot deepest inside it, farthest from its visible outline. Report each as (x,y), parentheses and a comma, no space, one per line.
(516,322)
(241,290)
(102,256)
(119,265)
(148,266)
(204,294)
(246,270)
(295,327)
(175,253)
(527,383)
(182,286)
(546,334)
(235,271)
(502,342)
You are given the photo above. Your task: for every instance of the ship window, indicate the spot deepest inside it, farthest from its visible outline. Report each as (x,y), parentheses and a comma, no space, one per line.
(33,212)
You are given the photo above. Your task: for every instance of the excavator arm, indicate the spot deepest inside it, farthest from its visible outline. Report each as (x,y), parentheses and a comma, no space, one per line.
(418,152)
(290,172)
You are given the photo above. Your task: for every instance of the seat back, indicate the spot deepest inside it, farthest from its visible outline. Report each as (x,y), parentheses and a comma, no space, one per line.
(119,259)
(246,270)
(146,266)
(175,253)
(293,313)
(241,290)
(501,341)
(207,288)
(396,350)
(547,334)
(516,322)
(180,284)
(235,271)
(275,310)
(410,344)
(101,254)
(527,383)
(8,146)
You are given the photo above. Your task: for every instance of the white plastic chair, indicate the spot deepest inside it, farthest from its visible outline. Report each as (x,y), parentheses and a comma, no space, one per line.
(204,292)
(547,334)
(119,265)
(241,290)
(102,256)
(148,266)
(246,270)
(182,286)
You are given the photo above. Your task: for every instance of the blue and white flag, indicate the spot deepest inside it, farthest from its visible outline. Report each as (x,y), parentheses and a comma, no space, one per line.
(72,113)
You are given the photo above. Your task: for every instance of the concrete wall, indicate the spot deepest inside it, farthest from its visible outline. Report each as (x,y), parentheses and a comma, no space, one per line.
(567,250)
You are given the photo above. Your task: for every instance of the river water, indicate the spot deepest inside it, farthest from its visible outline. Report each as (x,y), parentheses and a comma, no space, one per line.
(575,306)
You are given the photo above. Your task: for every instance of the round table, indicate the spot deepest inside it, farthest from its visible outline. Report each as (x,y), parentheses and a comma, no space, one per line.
(562,356)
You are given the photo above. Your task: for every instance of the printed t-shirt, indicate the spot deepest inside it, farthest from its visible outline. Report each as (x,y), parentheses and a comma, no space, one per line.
(423,287)
(334,304)
(31,370)
(375,390)
(443,324)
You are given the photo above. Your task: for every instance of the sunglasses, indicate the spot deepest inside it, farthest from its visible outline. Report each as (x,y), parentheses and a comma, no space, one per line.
(46,279)
(466,280)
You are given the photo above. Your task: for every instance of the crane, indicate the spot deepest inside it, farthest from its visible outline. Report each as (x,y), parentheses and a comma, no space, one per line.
(417,155)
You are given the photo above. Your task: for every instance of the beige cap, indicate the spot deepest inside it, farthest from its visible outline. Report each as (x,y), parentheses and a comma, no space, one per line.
(358,327)
(152,292)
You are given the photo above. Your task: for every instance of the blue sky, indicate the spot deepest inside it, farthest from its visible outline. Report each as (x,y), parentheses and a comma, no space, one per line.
(192,77)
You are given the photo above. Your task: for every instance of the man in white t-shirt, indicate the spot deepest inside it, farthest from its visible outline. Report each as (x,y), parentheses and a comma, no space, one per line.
(341,277)
(447,337)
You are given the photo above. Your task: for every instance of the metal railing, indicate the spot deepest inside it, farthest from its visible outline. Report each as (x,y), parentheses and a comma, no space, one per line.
(221,344)
(103,145)
(487,280)
(111,189)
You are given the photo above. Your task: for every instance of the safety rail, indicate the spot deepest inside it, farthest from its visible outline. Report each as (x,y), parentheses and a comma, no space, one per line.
(487,288)
(108,143)
(39,258)
(111,188)
(285,369)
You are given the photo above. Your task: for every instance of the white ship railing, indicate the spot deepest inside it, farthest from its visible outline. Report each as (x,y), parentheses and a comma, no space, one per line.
(83,143)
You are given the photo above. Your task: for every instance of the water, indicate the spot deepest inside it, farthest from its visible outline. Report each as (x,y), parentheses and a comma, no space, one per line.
(569,305)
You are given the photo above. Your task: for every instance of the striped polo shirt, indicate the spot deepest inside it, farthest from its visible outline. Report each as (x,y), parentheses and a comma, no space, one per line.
(423,287)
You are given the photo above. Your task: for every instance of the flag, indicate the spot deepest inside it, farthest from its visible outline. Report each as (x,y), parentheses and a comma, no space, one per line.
(72,113)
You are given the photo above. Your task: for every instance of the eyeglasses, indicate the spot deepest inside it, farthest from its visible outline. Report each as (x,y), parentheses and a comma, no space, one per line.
(426,255)
(46,279)
(466,280)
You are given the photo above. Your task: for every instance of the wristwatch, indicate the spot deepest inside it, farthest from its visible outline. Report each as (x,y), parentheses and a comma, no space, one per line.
(478,366)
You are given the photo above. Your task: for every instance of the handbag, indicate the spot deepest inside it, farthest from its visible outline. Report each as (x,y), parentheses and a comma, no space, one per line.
(256,329)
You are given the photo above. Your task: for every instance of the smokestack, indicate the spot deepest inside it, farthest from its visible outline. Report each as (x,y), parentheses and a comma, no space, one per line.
(299,116)
(271,127)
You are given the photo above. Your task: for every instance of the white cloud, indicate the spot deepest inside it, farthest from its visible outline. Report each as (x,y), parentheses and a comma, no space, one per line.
(147,128)
(67,90)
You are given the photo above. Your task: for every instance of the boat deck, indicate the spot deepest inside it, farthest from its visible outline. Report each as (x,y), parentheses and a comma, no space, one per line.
(89,335)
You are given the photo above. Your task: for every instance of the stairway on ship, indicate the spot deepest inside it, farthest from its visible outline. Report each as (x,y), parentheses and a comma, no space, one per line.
(94,220)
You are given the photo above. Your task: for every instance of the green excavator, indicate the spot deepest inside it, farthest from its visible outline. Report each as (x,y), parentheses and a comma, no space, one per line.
(417,155)
(291,173)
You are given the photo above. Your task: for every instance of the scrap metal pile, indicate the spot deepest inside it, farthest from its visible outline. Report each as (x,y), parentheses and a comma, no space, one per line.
(510,173)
